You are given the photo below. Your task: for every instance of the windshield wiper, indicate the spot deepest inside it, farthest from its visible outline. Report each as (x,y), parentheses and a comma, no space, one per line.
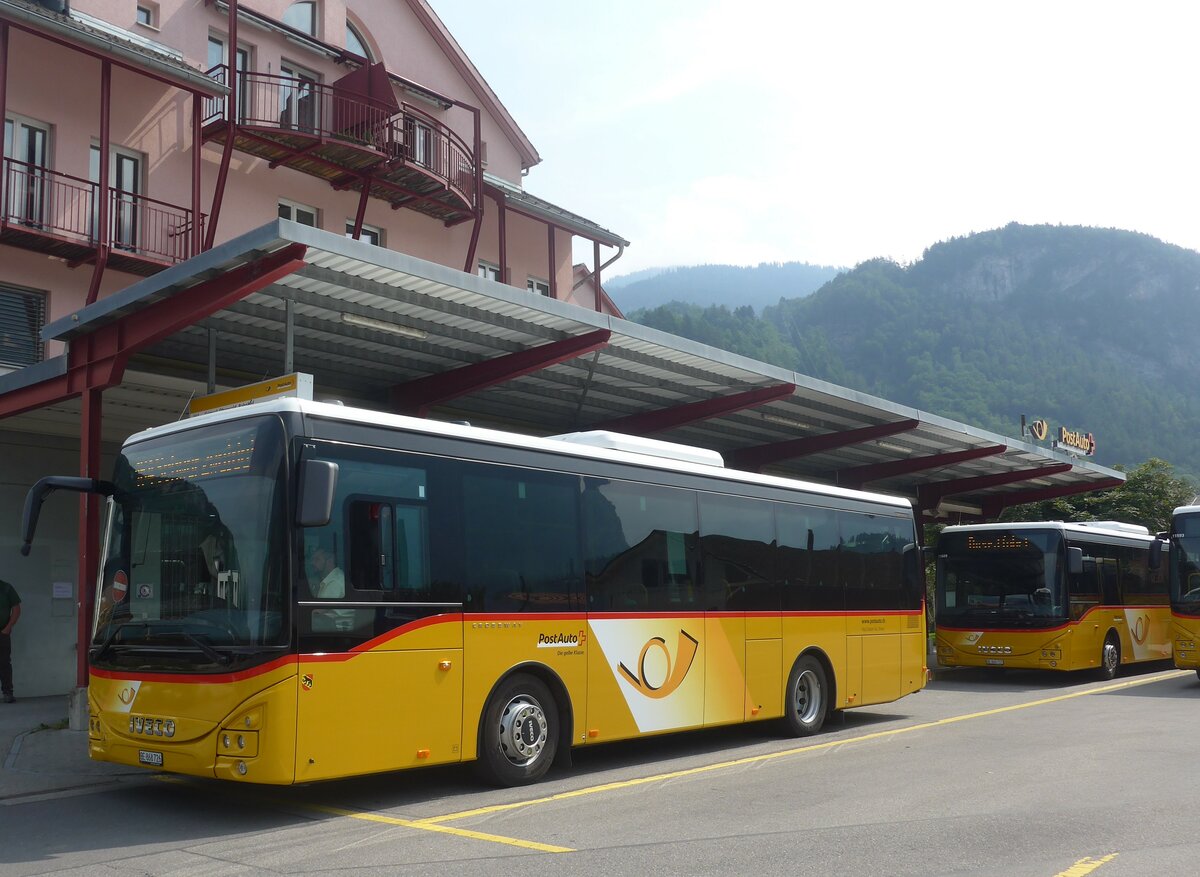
(208,650)
(113,629)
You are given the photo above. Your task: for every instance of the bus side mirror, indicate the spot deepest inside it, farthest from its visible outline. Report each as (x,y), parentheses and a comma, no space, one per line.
(1154,561)
(1074,561)
(46,486)
(318,483)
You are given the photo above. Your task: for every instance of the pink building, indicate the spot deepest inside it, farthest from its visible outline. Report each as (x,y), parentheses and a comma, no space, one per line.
(129,147)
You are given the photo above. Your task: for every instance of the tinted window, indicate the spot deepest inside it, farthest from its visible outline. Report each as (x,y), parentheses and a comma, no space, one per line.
(737,545)
(520,539)
(872,562)
(808,558)
(641,547)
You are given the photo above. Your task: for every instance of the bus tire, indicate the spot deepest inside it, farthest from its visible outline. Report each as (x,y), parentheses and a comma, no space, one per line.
(806,697)
(1198,674)
(1110,656)
(518,733)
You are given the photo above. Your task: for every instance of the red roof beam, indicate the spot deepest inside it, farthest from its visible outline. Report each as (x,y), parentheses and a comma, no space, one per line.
(859,475)
(649,422)
(97,360)
(994,505)
(929,495)
(418,396)
(756,458)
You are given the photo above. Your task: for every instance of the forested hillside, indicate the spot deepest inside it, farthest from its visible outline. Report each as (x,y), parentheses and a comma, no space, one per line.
(1090,328)
(728,285)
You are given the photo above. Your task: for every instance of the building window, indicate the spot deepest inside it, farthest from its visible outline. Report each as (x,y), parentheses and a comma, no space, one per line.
(22,315)
(541,287)
(300,213)
(488,271)
(27,189)
(218,58)
(370,233)
(147,15)
(355,42)
(303,17)
(125,178)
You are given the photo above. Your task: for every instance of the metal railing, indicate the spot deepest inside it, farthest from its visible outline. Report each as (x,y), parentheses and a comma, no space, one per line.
(53,203)
(300,105)
(150,228)
(43,200)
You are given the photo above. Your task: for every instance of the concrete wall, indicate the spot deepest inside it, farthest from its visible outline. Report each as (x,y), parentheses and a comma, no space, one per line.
(44,639)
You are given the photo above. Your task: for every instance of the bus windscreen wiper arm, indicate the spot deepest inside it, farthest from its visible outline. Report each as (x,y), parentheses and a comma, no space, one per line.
(208,650)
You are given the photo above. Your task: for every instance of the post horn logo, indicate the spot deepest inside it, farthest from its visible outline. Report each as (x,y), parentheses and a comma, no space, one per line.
(1039,429)
(126,695)
(684,655)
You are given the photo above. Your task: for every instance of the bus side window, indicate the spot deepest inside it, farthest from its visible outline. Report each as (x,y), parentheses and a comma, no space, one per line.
(641,547)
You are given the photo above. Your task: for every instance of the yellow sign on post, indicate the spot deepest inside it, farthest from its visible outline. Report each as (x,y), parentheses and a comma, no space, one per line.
(296,384)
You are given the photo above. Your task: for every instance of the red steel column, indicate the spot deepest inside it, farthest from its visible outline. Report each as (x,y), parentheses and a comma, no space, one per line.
(231,119)
(553,278)
(89,529)
(196,239)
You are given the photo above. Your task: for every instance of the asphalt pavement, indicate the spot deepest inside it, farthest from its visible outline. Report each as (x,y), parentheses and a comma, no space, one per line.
(39,754)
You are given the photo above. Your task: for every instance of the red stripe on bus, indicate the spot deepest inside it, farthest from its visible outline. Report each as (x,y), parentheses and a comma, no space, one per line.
(213,679)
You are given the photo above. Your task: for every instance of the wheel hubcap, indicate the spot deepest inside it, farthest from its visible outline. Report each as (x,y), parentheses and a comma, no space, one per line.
(523,730)
(808,697)
(1110,655)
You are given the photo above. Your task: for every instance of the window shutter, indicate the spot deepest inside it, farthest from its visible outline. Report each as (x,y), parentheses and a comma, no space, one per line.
(22,315)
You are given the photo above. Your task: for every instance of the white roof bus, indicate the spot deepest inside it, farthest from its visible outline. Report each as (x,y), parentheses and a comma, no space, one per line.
(1050,595)
(1185,586)
(296,591)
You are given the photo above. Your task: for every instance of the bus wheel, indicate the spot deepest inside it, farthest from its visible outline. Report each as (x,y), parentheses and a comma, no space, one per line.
(1198,674)
(519,732)
(1110,657)
(807,693)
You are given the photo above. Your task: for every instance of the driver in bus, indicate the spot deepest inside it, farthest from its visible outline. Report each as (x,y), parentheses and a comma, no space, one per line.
(329,578)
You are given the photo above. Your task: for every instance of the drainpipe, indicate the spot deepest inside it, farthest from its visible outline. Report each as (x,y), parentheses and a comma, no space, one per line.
(469,268)
(596,273)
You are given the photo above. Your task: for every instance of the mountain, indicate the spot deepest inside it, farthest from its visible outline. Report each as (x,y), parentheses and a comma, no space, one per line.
(632,277)
(729,285)
(1089,328)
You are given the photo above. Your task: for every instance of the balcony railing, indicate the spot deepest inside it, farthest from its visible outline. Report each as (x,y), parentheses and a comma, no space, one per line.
(411,157)
(58,213)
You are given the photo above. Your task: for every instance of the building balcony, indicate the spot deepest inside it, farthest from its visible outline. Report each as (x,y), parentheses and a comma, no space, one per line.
(351,140)
(58,214)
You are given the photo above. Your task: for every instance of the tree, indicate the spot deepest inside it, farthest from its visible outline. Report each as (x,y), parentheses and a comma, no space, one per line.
(1148,496)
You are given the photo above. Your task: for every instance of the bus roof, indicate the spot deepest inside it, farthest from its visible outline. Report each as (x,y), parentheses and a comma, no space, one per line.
(1092,528)
(571,447)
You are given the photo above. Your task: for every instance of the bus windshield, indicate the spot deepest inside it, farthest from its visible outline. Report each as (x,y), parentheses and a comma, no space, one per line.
(1185,554)
(194,559)
(1000,578)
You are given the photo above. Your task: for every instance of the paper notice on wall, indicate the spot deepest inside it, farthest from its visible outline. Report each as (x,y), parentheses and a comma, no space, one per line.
(62,590)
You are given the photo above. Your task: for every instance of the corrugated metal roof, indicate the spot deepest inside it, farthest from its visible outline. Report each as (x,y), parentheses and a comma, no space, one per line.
(453,319)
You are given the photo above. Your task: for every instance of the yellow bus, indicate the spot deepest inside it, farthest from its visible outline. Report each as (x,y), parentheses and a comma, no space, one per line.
(297,591)
(1185,586)
(1050,595)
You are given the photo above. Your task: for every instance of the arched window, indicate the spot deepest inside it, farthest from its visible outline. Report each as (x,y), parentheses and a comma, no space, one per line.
(355,42)
(302,16)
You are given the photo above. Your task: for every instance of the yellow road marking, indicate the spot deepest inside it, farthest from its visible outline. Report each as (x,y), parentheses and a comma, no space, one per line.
(444,829)
(755,759)
(402,823)
(1086,865)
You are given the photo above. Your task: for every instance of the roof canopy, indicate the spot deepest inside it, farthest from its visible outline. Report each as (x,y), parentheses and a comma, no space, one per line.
(387,330)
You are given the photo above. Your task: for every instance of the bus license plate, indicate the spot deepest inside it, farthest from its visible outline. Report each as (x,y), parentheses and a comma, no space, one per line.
(145,756)
(995,662)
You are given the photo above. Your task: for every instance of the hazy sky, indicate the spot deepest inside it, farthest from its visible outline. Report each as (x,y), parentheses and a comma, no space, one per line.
(743,131)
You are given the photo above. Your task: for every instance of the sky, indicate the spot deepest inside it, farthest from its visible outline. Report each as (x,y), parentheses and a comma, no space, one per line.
(748,131)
